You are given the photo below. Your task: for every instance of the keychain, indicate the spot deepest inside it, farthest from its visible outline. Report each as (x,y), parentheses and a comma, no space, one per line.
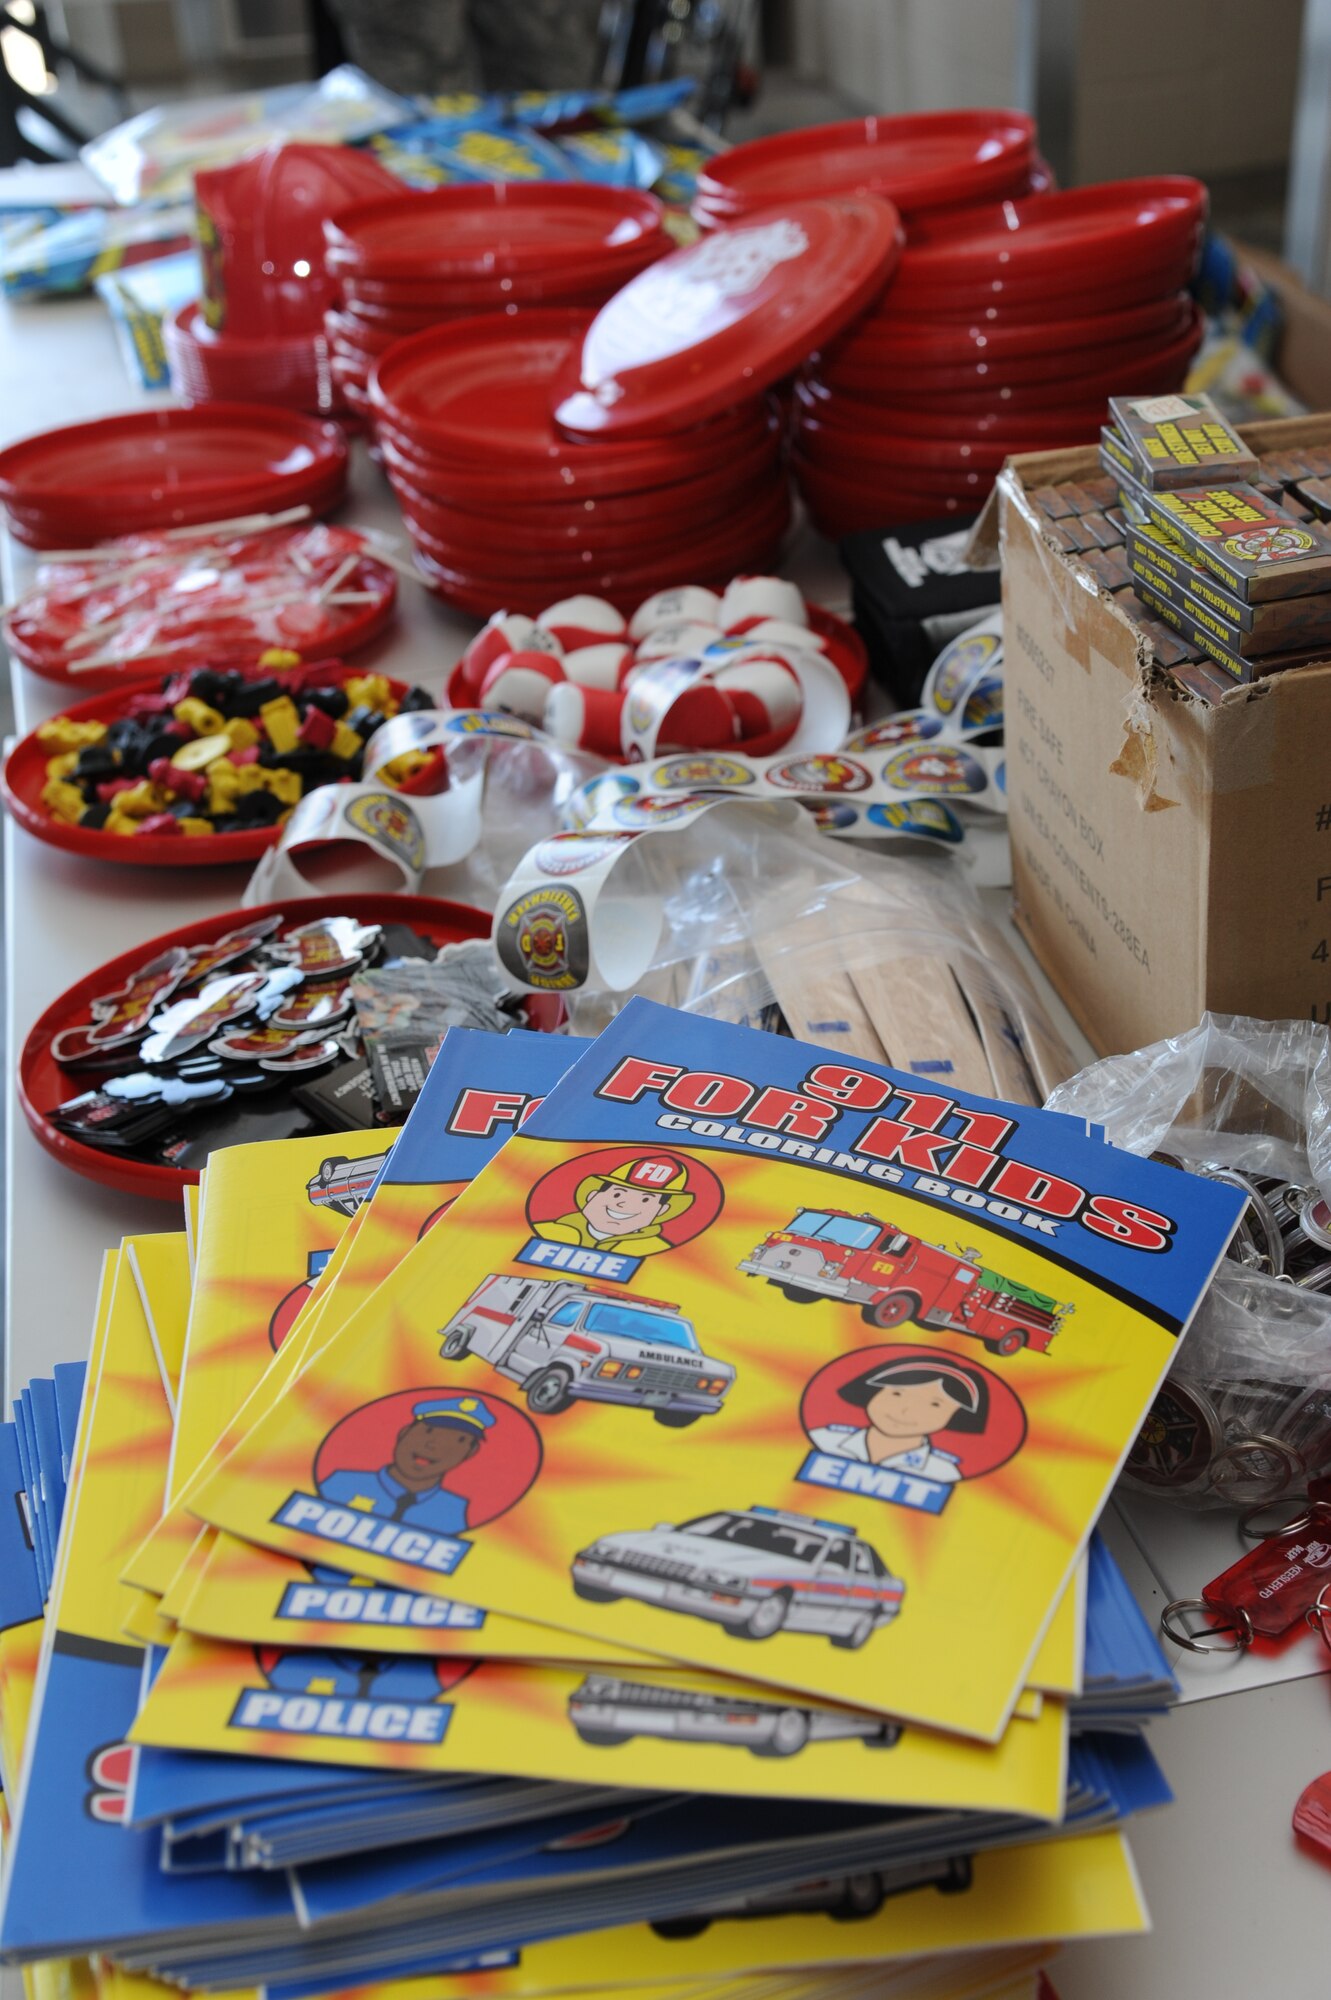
(1285,1578)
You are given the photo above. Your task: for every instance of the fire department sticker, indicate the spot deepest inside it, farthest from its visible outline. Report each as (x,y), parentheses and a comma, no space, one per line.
(683,773)
(821,773)
(653,809)
(835,819)
(915,726)
(488,722)
(542,939)
(390,823)
(574,853)
(965,658)
(934,770)
(927,818)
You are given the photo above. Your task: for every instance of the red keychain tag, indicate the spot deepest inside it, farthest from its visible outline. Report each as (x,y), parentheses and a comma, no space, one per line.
(1312,1814)
(1265,1592)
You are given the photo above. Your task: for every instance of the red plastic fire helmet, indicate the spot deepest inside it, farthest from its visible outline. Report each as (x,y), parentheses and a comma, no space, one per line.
(261,234)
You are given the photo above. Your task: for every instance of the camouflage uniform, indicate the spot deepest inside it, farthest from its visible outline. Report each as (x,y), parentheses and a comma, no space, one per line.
(439,46)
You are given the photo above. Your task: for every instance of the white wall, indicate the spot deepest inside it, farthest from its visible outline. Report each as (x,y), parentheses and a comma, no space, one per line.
(910,55)
(1150,86)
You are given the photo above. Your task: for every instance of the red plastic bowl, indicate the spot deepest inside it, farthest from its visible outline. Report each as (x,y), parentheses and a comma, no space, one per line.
(357,626)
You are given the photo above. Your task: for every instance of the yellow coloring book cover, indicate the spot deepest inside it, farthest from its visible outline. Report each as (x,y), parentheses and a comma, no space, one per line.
(739,1347)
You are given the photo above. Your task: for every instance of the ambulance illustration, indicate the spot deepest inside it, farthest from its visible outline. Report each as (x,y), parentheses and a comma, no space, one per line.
(846,1898)
(344,1184)
(564,1340)
(827,1253)
(755,1570)
(607,1710)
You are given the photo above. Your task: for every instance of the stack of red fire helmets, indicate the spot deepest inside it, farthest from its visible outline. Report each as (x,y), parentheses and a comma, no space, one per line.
(1007,327)
(554,452)
(257,335)
(417,260)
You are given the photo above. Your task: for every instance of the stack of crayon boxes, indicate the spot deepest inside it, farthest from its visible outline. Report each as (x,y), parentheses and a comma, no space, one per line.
(1225,549)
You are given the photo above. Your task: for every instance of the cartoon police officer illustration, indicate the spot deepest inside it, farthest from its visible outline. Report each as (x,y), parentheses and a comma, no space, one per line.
(365,1676)
(443,1433)
(905,1403)
(623,1210)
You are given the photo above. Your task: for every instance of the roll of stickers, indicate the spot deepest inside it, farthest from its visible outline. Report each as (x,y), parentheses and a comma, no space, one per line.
(973,656)
(349,835)
(371,831)
(920,768)
(659,691)
(583,908)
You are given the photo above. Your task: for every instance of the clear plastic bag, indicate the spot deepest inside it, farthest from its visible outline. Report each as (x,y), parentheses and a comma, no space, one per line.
(1245,1415)
(156,153)
(891,958)
(1236,1092)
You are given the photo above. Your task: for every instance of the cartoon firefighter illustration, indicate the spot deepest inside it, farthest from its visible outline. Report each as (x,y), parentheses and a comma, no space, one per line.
(624,1209)
(444,1432)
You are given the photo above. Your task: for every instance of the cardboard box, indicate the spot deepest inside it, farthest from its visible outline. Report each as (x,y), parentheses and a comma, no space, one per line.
(1168,856)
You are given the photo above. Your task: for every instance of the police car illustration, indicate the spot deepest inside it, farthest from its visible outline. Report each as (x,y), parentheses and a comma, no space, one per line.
(606,1710)
(344,1184)
(564,1340)
(755,1570)
(846,1898)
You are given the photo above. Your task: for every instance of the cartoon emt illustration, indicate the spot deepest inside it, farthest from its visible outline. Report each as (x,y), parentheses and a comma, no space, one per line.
(906,1403)
(444,1432)
(624,1209)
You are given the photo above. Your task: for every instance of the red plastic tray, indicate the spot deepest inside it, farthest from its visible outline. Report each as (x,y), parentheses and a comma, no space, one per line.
(596,532)
(726,316)
(491,230)
(362,625)
(170,468)
(476,394)
(42,1084)
(1060,295)
(477,595)
(1098,231)
(901,343)
(923,161)
(24,775)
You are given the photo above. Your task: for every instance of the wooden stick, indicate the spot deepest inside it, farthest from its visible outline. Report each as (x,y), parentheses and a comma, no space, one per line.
(239,524)
(923,1022)
(819,1001)
(1008,1067)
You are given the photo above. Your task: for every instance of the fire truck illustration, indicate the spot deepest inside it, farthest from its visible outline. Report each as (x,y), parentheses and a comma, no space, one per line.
(755,1570)
(565,1341)
(344,1184)
(846,1898)
(827,1253)
(606,1710)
